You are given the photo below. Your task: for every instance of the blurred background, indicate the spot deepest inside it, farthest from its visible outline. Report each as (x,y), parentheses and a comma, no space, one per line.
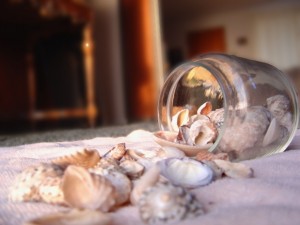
(93,63)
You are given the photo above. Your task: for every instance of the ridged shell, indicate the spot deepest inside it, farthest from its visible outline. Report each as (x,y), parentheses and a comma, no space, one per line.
(120,182)
(186,172)
(73,217)
(26,184)
(86,158)
(165,203)
(86,190)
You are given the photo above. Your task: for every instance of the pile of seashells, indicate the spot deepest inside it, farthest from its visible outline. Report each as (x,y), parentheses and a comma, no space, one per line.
(157,181)
(254,129)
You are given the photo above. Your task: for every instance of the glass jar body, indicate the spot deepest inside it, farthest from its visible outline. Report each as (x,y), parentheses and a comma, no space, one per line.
(251,106)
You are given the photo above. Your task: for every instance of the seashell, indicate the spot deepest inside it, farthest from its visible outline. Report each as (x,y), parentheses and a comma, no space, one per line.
(51,192)
(108,164)
(202,132)
(86,190)
(218,172)
(86,158)
(132,169)
(163,203)
(73,217)
(205,108)
(234,170)
(206,155)
(189,150)
(275,132)
(116,152)
(26,184)
(168,152)
(149,178)
(217,117)
(186,172)
(181,118)
(120,182)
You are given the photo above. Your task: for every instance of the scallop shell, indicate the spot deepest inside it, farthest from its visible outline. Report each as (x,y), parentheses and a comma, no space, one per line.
(165,203)
(149,179)
(132,168)
(117,152)
(120,182)
(26,184)
(186,172)
(86,158)
(86,190)
(73,217)
(181,118)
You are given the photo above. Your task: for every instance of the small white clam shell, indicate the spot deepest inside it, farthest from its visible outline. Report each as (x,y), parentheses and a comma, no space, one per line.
(186,172)
(132,168)
(73,217)
(180,118)
(86,190)
(234,170)
(164,203)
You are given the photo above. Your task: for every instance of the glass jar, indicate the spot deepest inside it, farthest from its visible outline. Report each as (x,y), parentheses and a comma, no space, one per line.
(227,104)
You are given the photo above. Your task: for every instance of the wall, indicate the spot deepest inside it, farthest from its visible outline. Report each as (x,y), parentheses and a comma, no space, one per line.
(246,23)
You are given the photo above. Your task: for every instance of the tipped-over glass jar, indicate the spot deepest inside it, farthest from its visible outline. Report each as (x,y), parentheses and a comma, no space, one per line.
(230,105)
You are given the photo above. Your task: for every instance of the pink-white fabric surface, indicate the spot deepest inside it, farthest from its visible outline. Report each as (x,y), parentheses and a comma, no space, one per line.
(272,197)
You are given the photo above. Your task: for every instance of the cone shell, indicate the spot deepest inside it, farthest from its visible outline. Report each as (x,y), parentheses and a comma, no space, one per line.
(86,190)
(86,158)
(163,203)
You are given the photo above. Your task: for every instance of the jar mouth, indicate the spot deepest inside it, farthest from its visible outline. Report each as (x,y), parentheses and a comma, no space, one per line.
(193,86)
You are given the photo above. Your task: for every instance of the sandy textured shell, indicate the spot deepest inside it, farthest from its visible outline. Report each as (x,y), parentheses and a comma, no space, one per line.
(51,192)
(165,203)
(234,170)
(148,179)
(86,190)
(116,152)
(132,168)
(26,184)
(86,158)
(120,181)
(186,172)
(180,118)
(73,217)
(217,117)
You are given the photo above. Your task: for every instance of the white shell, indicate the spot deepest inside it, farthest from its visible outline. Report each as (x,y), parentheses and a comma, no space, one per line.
(202,132)
(180,118)
(273,133)
(165,203)
(73,217)
(116,152)
(132,168)
(234,170)
(186,172)
(85,190)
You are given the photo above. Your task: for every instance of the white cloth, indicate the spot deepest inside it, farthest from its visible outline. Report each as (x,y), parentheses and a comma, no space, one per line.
(271,197)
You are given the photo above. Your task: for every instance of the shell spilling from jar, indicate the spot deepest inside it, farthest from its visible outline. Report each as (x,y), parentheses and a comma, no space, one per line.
(254,128)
